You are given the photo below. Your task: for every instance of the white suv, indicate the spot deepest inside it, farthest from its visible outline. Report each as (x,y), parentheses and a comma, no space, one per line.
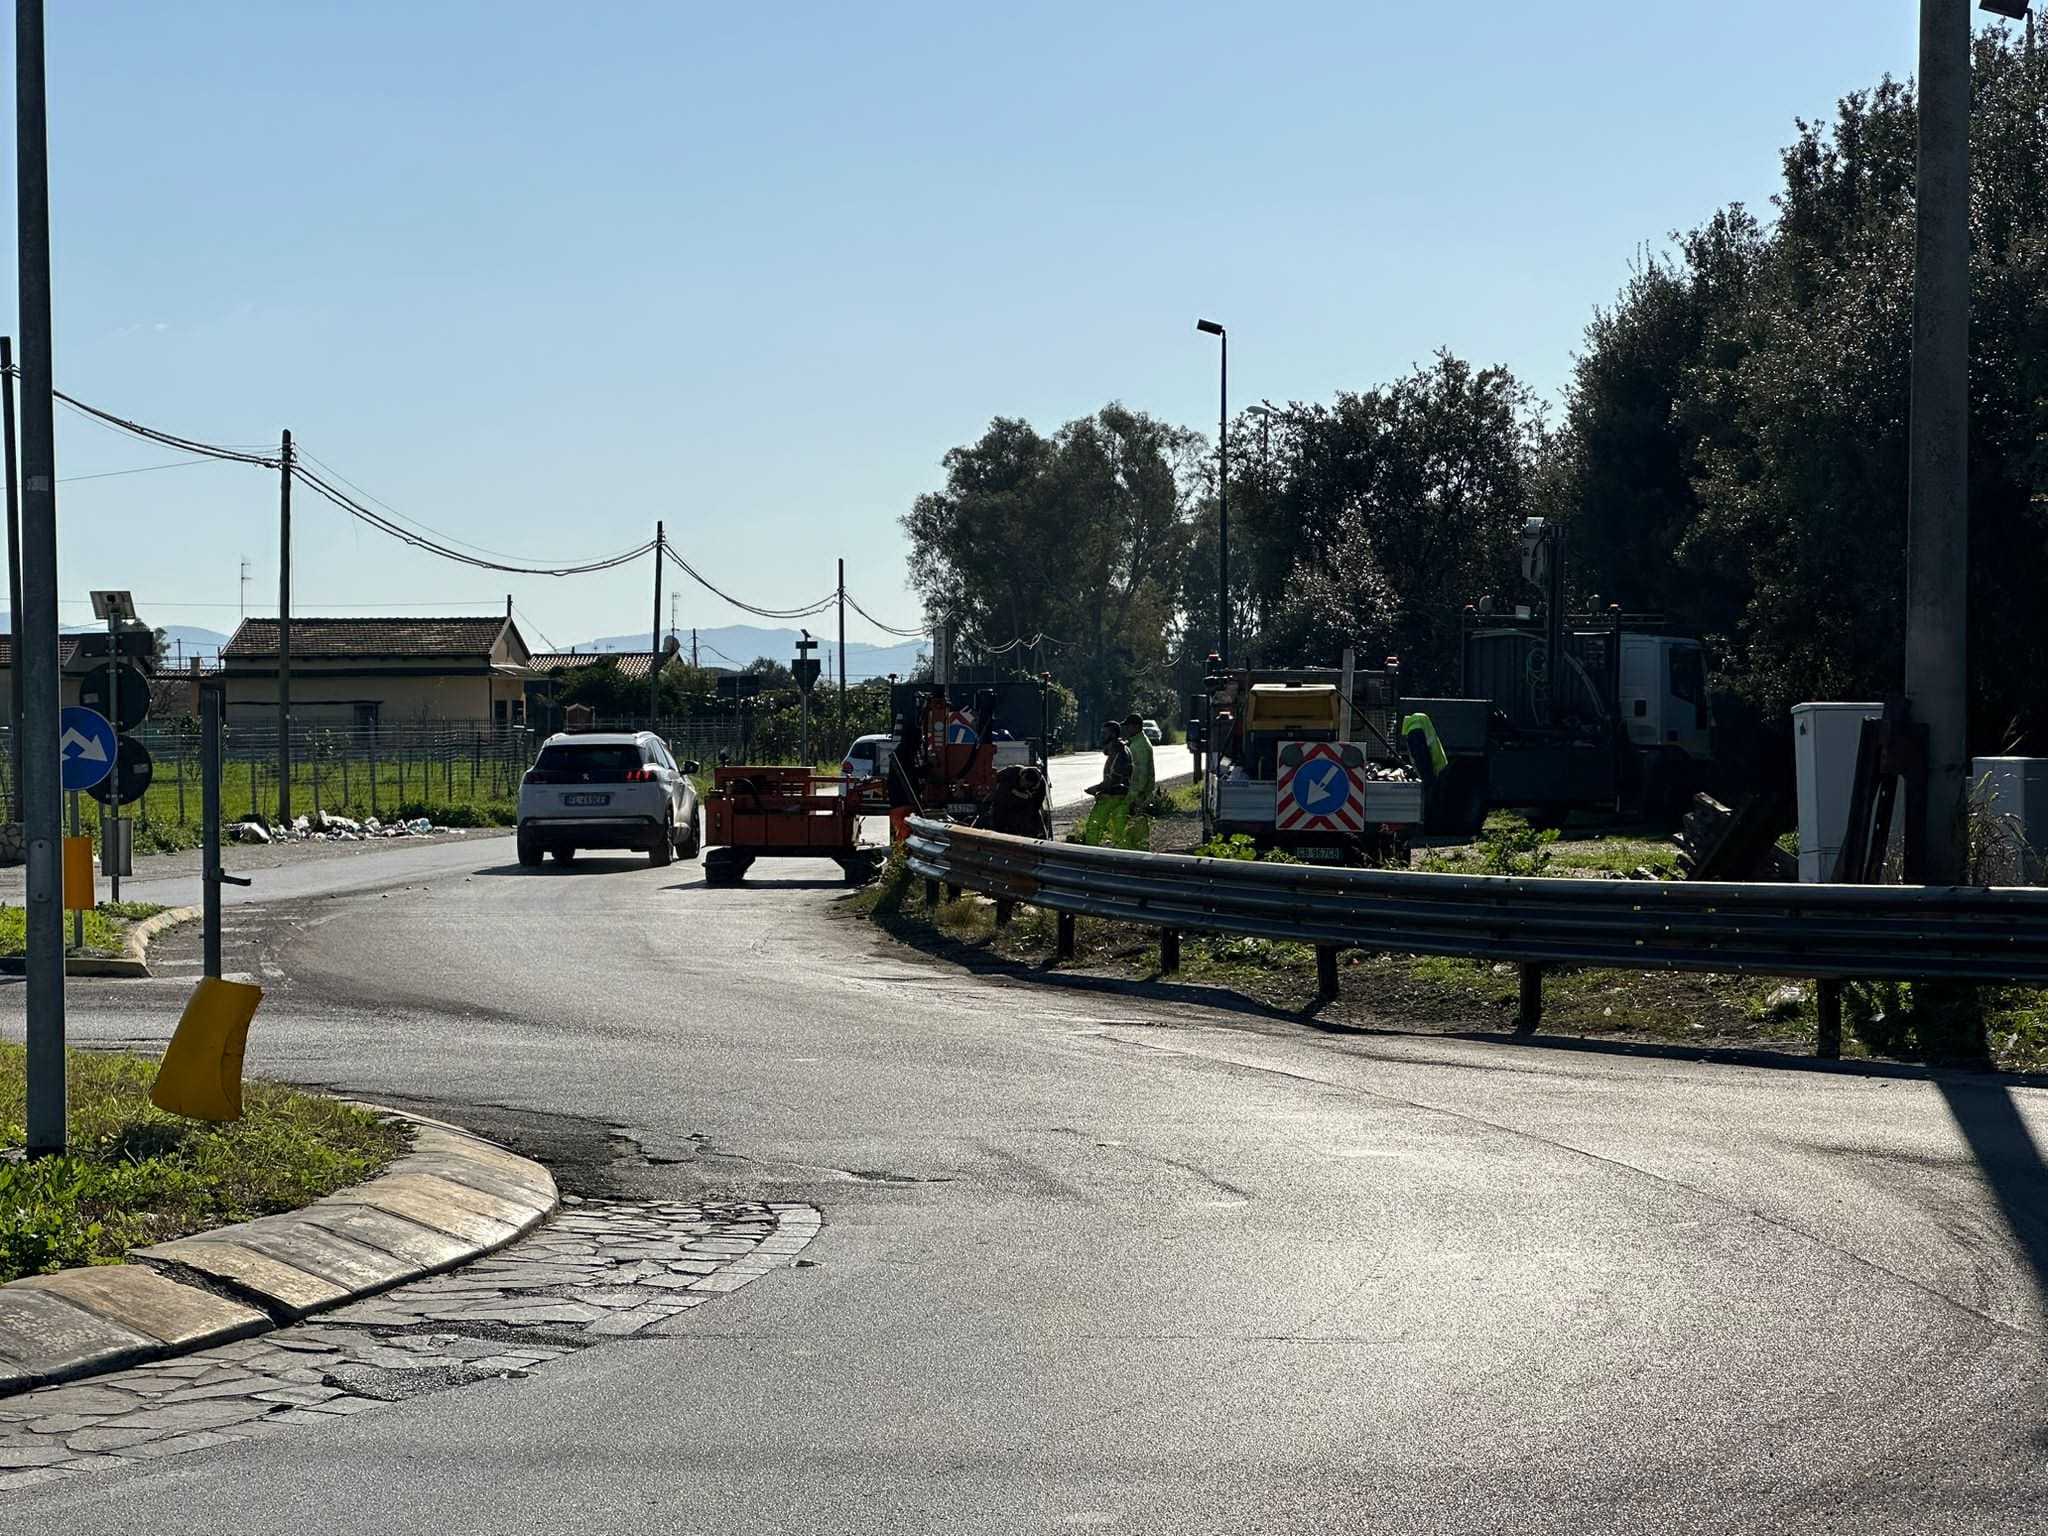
(607,790)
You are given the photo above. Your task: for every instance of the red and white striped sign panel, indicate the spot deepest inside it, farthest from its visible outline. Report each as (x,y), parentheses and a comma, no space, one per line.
(1320,794)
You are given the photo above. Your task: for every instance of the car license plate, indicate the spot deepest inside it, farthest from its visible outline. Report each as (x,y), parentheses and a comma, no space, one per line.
(586,799)
(1319,853)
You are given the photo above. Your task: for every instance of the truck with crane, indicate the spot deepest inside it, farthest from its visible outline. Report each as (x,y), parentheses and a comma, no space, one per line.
(1562,712)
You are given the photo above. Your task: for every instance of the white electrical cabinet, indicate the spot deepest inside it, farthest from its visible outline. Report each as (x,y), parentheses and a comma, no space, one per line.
(1825,738)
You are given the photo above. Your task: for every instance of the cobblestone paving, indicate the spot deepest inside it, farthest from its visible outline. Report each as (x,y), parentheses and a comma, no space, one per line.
(600,1270)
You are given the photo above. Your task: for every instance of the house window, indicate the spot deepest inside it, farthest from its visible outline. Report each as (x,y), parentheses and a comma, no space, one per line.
(366,717)
(501,710)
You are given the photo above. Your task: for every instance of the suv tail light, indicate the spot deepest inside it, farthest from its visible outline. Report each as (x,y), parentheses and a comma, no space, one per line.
(640,776)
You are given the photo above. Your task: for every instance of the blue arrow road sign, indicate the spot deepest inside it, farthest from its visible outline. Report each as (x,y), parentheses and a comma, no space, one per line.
(1323,788)
(86,743)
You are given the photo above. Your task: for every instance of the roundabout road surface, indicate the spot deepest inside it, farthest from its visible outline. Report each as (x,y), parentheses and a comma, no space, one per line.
(1100,1261)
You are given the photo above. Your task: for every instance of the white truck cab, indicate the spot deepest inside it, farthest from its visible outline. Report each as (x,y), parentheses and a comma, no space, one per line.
(1663,693)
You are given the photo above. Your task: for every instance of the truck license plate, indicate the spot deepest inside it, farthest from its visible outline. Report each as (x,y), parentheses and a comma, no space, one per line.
(1319,853)
(586,799)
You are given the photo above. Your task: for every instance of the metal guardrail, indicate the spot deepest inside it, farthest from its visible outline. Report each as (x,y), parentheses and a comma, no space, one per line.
(1830,933)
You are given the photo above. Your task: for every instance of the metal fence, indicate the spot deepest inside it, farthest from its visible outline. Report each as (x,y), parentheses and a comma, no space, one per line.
(1831,933)
(369,770)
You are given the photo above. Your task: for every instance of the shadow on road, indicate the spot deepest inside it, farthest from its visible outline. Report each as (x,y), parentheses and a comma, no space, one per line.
(1223,1000)
(554,869)
(2011,1159)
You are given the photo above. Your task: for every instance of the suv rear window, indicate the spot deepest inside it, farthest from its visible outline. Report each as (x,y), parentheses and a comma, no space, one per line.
(598,761)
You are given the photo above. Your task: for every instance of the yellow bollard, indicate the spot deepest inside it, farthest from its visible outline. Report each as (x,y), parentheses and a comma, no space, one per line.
(200,1076)
(78,885)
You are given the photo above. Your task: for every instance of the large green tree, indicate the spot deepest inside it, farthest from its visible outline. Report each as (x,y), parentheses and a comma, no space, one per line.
(1075,541)
(1736,433)
(1374,520)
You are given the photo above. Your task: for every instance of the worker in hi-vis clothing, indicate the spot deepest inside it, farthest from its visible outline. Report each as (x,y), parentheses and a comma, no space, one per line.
(1138,826)
(1104,827)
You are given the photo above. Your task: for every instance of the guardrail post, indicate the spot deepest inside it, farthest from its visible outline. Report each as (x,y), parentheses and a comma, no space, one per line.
(1532,1000)
(952,891)
(1827,1000)
(1169,950)
(1003,906)
(1064,945)
(1326,972)
(931,893)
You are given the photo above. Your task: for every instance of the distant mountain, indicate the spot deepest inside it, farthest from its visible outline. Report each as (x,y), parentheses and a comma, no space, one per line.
(181,641)
(734,645)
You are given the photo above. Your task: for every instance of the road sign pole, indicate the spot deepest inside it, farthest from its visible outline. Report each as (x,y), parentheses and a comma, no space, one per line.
(108,855)
(284,632)
(35,626)
(14,711)
(78,914)
(209,823)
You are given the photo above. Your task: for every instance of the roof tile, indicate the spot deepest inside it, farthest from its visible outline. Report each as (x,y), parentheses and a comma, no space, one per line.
(342,639)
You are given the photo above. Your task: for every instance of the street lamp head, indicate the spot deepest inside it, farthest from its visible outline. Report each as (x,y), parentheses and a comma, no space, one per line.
(2011,10)
(1209,327)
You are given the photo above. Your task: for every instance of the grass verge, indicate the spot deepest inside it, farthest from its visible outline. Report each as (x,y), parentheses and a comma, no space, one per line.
(1429,992)
(106,927)
(135,1175)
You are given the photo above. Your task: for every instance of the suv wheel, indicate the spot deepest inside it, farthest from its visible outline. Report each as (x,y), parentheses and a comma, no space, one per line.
(529,850)
(664,848)
(693,838)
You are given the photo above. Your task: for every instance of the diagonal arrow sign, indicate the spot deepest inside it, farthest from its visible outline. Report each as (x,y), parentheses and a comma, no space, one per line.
(76,744)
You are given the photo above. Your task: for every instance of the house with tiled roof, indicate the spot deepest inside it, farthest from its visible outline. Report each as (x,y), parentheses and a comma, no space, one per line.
(382,672)
(78,655)
(636,666)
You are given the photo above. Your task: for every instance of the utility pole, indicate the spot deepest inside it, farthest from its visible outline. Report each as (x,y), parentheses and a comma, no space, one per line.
(654,667)
(845,740)
(693,647)
(1937,509)
(13,576)
(35,626)
(284,631)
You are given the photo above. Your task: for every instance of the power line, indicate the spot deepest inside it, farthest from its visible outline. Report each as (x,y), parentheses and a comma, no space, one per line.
(887,629)
(167,439)
(385,524)
(109,474)
(805,612)
(411,531)
(544,640)
(424,528)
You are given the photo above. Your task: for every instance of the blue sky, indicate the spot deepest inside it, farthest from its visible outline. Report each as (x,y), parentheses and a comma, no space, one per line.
(538,275)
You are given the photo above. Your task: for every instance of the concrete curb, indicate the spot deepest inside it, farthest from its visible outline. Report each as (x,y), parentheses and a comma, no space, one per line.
(452,1198)
(133,961)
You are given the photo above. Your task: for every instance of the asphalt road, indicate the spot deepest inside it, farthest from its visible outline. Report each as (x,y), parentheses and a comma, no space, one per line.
(1099,1261)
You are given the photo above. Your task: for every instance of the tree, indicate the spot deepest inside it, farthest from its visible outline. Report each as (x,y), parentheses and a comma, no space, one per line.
(1075,543)
(1737,427)
(1376,519)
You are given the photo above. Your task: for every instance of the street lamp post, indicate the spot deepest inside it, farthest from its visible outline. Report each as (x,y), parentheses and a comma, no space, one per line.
(1211,328)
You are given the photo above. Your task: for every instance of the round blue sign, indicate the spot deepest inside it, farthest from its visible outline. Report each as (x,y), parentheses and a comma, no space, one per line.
(86,745)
